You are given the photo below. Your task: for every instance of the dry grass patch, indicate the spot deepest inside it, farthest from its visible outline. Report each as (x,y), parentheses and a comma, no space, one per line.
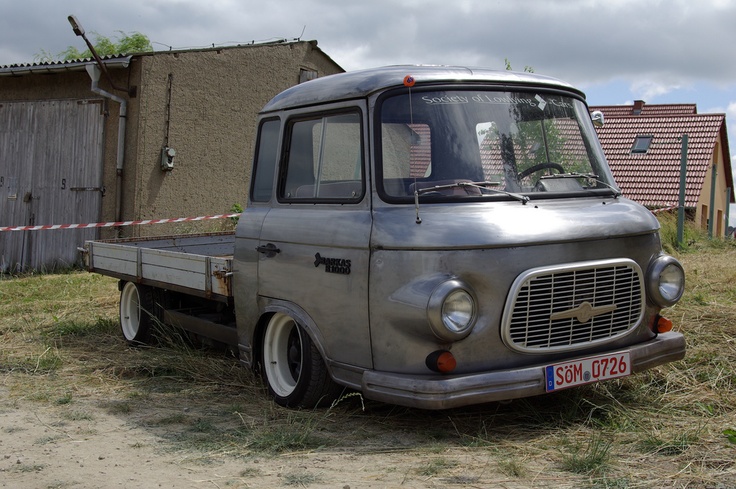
(668,427)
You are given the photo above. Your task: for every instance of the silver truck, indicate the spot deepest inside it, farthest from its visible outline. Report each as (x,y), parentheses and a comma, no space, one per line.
(428,236)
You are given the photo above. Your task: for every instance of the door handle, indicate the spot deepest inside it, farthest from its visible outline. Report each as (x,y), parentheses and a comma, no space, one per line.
(269,250)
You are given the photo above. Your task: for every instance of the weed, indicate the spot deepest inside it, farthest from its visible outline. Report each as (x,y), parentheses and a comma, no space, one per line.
(77,416)
(60,484)
(172,419)
(63,328)
(301,479)
(117,407)
(436,466)
(65,399)
(589,459)
(250,472)
(48,361)
(285,439)
(29,468)
(33,363)
(203,426)
(236,208)
(606,483)
(461,480)
(512,467)
(677,445)
(47,439)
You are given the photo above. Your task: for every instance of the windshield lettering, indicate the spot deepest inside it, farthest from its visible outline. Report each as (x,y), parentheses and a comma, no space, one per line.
(445,100)
(507,100)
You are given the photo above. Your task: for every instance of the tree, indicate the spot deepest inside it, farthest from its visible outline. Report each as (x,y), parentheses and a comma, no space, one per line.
(527,69)
(124,44)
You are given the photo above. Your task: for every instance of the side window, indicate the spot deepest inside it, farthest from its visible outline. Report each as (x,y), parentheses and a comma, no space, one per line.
(265,162)
(325,159)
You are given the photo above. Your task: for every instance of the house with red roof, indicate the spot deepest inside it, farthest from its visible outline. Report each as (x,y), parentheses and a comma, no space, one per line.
(643,145)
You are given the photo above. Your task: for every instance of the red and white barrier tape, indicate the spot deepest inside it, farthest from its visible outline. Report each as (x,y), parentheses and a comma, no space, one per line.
(664,209)
(158,221)
(113,224)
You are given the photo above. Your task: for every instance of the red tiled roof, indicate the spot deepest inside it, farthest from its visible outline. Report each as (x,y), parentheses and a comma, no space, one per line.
(647,110)
(653,178)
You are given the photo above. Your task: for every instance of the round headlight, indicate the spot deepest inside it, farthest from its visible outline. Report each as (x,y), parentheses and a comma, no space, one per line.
(451,311)
(665,281)
(457,311)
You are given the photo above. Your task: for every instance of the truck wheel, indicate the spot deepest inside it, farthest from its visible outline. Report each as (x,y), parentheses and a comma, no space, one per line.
(136,309)
(293,368)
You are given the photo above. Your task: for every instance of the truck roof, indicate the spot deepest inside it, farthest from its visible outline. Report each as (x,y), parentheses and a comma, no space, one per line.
(362,83)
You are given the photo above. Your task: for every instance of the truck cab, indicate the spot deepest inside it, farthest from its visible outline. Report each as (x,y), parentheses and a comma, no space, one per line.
(442,236)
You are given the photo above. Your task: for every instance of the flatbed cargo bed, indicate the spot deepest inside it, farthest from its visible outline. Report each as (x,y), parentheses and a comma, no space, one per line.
(199,265)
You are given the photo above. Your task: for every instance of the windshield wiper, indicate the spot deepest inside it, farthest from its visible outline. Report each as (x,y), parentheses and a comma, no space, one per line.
(483,186)
(479,185)
(589,176)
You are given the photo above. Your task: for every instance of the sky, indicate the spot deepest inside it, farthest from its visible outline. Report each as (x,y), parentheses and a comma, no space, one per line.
(617,51)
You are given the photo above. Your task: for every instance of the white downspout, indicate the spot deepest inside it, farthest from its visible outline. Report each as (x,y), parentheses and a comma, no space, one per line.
(94,73)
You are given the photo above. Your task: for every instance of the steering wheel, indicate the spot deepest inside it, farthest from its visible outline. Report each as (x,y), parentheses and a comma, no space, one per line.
(539,167)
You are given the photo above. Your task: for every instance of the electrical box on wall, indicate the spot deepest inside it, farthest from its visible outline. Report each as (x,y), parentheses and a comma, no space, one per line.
(167,158)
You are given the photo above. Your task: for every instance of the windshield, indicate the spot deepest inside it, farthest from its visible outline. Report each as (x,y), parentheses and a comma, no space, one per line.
(488,144)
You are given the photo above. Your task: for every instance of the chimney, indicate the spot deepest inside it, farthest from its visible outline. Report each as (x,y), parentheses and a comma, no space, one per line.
(638,105)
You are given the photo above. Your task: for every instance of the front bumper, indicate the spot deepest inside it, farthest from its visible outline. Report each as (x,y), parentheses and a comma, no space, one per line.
(443,392)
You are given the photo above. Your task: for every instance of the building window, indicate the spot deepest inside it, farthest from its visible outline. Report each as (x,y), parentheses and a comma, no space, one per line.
(306,75)
(641,144)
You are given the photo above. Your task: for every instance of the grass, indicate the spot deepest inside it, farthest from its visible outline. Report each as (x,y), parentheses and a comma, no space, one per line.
(301,479)
(592,458)
(676,445)
(437,466)
(672,426)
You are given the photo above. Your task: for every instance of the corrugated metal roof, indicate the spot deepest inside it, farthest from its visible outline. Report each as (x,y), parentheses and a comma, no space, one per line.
(653,178)
(113,61)
(122,60)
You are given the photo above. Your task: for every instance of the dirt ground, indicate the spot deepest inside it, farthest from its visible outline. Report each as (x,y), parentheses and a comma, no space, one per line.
(88,444)
(46,446)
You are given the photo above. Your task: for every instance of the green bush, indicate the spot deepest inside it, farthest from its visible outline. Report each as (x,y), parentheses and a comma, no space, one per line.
(694,237)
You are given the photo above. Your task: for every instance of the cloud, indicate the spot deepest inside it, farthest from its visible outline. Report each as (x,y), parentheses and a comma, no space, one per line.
(731,118)
(649,90)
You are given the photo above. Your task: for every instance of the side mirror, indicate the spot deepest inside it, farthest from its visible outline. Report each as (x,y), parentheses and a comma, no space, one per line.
(597,117)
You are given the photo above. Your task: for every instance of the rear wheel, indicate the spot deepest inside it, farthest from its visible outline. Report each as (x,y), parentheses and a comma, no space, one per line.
(293,368)
(136,309)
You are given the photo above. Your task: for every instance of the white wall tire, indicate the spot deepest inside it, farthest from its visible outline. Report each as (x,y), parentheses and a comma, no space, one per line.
(293,369)
(136,307)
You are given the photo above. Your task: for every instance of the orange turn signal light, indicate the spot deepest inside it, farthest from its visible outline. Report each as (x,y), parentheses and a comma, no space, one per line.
(663,325)
(441,361)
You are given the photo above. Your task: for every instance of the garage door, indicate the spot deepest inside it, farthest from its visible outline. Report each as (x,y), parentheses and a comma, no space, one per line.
(51,158)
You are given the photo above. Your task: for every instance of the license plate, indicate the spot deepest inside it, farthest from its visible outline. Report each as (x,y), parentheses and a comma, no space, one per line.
(587,370)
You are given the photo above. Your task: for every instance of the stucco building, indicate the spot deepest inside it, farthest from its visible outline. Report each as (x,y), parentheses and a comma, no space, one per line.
(643,145)
(60,161)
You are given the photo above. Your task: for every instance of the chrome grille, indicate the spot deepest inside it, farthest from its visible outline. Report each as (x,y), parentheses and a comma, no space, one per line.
(569,307)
